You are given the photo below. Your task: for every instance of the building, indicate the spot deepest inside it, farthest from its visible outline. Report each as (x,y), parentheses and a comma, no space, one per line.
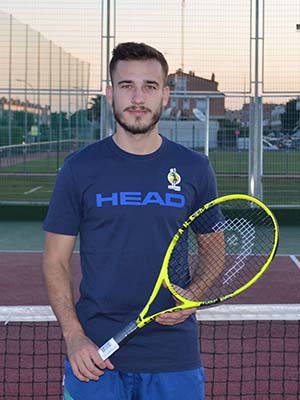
(185,118)
(43,112)
(181,82)
(271,116)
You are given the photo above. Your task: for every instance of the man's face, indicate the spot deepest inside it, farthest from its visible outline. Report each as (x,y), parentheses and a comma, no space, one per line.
(138,95)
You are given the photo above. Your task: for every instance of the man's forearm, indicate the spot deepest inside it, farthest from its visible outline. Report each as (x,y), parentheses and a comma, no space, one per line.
(83,355)
(60,293)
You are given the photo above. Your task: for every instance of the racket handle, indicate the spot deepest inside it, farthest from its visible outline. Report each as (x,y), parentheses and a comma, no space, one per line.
(122,337)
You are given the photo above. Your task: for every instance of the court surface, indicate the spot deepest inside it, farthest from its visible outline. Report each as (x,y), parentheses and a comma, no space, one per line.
(21,245)
(225,359)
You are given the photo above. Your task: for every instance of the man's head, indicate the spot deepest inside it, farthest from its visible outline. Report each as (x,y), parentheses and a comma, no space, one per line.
(131,51)
(138,92)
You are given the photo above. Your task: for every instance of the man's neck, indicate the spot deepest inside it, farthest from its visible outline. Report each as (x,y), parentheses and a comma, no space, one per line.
(140,144)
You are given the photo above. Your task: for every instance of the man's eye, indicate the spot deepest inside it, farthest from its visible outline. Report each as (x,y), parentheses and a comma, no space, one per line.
(151,87)
(126,86)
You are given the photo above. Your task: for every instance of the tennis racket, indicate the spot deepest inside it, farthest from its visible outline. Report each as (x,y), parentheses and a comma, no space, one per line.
(219,251)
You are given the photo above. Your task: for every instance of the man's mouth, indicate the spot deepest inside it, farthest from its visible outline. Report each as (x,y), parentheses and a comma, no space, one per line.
(138,111)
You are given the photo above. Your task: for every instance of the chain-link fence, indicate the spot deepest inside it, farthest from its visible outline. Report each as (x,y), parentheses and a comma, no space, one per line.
(234,79)
(44,89)
(46,110)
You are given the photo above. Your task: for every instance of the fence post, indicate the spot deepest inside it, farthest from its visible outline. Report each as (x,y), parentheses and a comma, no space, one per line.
(256,122)
(255,148)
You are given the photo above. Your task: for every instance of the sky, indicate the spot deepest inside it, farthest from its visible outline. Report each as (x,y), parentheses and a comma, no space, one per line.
(216,35)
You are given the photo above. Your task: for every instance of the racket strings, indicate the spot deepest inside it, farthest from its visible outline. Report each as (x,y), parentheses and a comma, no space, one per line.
(221,250)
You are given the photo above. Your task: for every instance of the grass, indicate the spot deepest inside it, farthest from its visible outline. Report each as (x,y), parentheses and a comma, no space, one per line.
(28,188)
(46,165)
(231,169)
(275,162)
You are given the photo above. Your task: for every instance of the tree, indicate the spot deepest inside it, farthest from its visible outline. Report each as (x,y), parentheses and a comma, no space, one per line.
(290,119)
(227,135)
(94,113)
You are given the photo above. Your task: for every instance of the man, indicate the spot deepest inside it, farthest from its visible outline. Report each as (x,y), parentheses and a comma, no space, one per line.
(126,196)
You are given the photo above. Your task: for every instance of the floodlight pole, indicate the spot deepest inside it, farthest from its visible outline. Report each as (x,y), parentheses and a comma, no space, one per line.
(107,42)
(107,118)
(182,33)
(106,37)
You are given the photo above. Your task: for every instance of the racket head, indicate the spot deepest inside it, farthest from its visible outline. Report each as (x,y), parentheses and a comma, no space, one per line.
(220,251)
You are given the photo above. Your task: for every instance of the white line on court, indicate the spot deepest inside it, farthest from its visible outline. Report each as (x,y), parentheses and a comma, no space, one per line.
(295,260)
(27,251)
(20,251)
(33,190)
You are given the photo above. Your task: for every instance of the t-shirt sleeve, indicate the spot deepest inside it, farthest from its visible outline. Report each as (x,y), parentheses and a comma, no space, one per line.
(63,215)
(206,186)
(207,191)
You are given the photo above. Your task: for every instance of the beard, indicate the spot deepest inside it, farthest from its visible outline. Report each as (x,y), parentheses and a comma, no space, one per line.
(136,128)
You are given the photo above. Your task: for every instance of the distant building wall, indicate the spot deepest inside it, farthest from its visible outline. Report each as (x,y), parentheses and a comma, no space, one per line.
(190,133)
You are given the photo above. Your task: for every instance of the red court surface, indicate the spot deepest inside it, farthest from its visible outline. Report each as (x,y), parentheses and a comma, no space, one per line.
(244,360)
(22,281)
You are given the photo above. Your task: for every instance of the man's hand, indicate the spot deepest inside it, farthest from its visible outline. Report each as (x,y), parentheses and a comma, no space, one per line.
(175,317)
(84,358)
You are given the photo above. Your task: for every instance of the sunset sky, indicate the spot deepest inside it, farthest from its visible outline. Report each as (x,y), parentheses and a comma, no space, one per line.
(216,36)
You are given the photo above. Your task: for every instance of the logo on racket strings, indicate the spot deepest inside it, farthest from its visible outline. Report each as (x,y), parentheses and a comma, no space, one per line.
(240,240)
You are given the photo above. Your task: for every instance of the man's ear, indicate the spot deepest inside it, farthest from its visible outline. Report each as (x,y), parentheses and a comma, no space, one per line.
(166,95)
(109,94)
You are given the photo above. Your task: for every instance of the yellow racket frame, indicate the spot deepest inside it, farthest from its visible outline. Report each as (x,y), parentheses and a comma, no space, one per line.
(142,320)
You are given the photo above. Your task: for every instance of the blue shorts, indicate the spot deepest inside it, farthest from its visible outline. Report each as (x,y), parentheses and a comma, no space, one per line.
(115,385)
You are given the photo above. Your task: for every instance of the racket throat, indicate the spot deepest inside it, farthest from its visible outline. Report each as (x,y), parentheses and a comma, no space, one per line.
(127,333)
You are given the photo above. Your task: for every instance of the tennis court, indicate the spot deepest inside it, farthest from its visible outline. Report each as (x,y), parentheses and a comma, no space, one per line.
(235,63)
(250,346)
(28,172)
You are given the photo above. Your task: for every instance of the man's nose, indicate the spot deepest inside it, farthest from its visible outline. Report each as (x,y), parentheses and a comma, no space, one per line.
(138,96)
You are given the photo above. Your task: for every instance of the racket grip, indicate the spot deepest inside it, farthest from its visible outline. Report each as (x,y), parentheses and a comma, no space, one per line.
(122,337)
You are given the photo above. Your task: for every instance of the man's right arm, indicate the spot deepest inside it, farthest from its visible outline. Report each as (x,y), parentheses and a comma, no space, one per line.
(83,354)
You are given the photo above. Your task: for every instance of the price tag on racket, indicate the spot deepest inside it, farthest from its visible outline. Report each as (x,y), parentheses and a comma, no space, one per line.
(219,251)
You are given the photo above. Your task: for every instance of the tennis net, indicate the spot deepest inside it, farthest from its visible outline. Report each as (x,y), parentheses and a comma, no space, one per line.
(249,352)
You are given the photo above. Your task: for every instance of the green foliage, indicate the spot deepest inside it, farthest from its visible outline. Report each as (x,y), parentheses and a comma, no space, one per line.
(94,113)
(17,135)
(291,117)
(227,134)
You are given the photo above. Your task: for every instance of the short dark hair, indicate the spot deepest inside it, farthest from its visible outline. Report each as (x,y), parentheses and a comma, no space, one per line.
(137,51)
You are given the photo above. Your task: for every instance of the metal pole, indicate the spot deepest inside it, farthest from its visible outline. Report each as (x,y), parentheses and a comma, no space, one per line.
(101,46)
(91,135)
(9,84)
(69,98)
(82,108)
(77,101)
(182,33)
(206,144)
(102,119)
(257,134)
(255,140)
(107,116)
(251,182)
(50,94)
(59,137)
(256,51)
(38,88)
(115,21)
(107,42)
(26,78)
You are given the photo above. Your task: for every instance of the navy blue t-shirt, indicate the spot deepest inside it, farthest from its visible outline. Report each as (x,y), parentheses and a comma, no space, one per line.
(126,209)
